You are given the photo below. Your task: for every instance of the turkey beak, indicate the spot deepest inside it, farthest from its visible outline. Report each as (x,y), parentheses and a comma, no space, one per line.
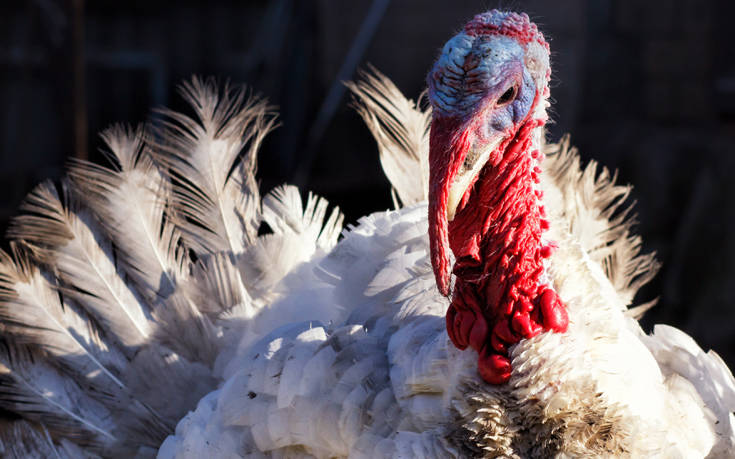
(473,162)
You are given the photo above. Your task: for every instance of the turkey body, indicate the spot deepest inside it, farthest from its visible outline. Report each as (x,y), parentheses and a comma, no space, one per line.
(384,380)
(145,312)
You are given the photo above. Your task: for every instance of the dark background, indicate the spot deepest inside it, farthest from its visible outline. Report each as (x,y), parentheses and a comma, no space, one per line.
(644,87)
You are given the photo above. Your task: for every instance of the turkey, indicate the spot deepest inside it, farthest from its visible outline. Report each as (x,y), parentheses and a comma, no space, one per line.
(162,306)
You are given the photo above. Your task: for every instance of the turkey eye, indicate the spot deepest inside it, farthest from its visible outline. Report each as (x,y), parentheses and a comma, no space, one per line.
(507,96)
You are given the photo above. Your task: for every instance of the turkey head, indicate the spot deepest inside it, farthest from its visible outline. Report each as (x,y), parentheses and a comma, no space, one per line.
(489,91)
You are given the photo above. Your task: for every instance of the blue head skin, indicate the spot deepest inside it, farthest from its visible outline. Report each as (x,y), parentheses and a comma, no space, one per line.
(482,76)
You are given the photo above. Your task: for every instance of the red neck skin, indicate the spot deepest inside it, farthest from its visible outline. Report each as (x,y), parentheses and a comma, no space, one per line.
(498,298)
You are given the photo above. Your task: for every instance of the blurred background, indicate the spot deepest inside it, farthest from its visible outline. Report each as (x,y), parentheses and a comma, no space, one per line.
(647,88)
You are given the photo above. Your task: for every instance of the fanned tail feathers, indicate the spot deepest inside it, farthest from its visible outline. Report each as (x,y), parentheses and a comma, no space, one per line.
(123,283)
(62,234)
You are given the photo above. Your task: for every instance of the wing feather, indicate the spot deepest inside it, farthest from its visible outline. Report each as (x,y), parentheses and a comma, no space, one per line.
(678,354)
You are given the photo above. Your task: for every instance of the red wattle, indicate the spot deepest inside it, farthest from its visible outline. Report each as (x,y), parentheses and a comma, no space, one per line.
(498,298)
(494,368)
(553,312)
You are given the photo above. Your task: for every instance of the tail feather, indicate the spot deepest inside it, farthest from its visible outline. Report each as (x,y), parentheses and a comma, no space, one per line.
(71,344)
(591,202)
(42,394)
(215,195)
(401,129)
(218,287)
(33,312)
(130,204)
(168,383)
(283,211)
(21,439)
(155,385)
(65,236)
(184,328)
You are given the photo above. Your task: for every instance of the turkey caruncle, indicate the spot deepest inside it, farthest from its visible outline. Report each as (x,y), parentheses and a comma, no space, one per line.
(138,294)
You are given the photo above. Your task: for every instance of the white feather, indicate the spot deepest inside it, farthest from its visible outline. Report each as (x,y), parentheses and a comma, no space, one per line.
(677,354)
(215,196)
(216,286)
(587,204)
(401,129)
(299,235)
(42,394)
(22,439)
(33,312)
(130,203)
(186,330)
(66,236)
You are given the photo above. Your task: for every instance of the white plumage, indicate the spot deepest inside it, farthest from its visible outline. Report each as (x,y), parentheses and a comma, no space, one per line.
(138,294)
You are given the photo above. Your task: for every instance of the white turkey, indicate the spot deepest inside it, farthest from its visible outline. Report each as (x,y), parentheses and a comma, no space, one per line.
(488,316)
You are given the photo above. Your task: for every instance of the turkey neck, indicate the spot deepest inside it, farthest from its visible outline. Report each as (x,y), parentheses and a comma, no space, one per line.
(499,297)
